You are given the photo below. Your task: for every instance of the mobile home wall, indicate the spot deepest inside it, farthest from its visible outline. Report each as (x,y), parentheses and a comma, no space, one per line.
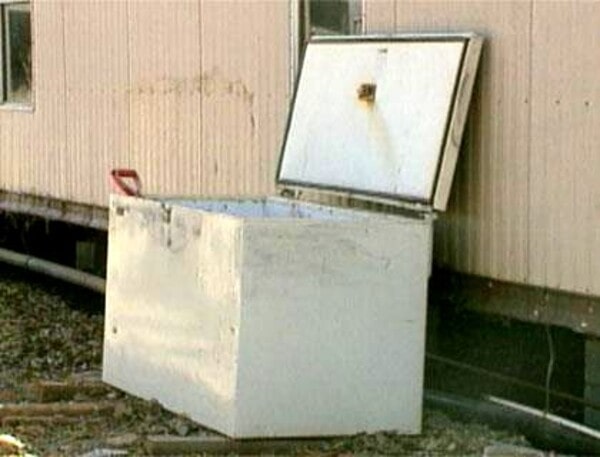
(194,95)
(526,199)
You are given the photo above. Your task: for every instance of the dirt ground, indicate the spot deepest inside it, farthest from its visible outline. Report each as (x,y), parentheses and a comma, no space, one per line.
(51,398)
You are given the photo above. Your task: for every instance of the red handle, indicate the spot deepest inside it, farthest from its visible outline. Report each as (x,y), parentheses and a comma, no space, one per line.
(118,176)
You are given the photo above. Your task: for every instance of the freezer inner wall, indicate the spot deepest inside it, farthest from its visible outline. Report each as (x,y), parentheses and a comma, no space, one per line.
(272,208)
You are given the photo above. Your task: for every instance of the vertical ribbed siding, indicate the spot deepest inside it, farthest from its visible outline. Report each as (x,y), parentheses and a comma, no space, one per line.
(208,96)
(277,83)
(96,99)
(192,94)
(379,16)
(49,121)
(13,163)
(485,229)
(228,103)
(245,61)
(164,59)
(525,199)
(63,148)
(195,95)
(565,190)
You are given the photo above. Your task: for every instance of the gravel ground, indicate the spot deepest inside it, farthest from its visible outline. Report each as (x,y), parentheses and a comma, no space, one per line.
(48,332)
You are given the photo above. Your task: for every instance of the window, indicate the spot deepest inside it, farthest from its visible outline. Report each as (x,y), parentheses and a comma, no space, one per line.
(16,52)
(327,17)
(331,17)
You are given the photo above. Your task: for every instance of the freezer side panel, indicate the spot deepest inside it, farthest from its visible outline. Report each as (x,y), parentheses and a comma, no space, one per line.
(172,308)
(333,315)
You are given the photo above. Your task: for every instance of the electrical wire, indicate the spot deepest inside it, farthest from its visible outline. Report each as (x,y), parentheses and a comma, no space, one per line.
(550,368)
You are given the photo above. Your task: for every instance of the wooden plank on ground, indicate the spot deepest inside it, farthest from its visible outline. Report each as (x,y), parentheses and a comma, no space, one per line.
(47,421)
(176,445)
(51,391)
(56,409)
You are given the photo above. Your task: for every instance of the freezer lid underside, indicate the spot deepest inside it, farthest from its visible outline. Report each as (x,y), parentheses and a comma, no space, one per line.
(380,118)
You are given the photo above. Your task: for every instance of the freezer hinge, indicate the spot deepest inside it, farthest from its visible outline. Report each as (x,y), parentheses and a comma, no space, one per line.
(294,194)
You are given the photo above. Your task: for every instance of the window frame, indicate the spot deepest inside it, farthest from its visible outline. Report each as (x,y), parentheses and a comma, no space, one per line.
(5,104)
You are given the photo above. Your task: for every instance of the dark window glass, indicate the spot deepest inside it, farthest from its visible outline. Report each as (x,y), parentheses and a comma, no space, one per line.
(17,48)
(329,17)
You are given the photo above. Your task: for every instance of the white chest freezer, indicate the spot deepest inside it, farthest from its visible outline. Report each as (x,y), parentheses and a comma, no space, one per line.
(277,317)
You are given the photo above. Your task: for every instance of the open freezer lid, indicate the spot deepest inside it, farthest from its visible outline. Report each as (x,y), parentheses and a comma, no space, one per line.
(381,118)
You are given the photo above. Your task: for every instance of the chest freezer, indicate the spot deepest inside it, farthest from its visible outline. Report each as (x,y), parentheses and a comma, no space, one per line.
(278,317)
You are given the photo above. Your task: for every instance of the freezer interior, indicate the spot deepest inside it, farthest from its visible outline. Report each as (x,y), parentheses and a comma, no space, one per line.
(281,208)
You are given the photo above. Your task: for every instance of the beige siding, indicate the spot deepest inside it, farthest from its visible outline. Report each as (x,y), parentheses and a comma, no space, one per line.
(379,16)
(245,81)
(49,123)
(525,201)
(164,65)
(192,94)
(96,103)
(485,229)
(565,144)
(30,144)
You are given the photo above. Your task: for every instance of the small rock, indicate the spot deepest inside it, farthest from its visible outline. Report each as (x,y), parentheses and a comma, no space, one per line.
(121,410)
(506,450)
(9,445)
(120,441)
(112,395)
(80,397)
(158,429)
(180,427)
(86,376)
(104,453)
